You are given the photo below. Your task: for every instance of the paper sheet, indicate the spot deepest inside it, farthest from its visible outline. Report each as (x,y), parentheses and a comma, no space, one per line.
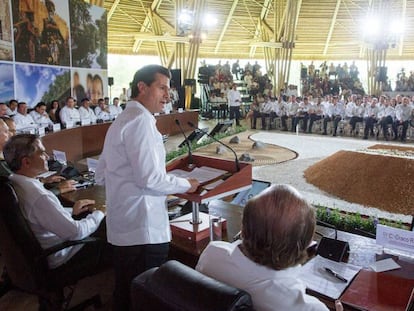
(202,174)
(384,265)
(315,277)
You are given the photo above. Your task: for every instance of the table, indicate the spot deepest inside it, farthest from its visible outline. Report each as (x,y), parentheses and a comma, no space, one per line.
(363,250)
(87,141)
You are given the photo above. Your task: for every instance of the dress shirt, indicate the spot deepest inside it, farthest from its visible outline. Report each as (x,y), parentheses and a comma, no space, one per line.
(24,121)
(50,222)
(87,115)
(270,289)
(234,98)
(132,167)
(386,111)
(69,114)
(103,115)
(403,112)
(41,119)
(114,111)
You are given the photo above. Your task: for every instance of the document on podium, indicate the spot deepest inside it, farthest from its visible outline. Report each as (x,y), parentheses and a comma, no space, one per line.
(327,277)
(203,174)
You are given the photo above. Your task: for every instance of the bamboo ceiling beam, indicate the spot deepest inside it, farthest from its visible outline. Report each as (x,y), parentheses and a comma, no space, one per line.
(331,28)
(226,25)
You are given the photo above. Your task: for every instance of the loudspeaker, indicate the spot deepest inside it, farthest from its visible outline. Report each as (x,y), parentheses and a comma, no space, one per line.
(382,74)
(176,78)
(333,249)
(110,81)
(189,82)
(303,73)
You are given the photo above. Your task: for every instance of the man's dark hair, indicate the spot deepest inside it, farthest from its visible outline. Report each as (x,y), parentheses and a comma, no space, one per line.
(147,75)
(40,104)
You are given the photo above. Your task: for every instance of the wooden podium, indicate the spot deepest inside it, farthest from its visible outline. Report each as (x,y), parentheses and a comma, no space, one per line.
(195,227)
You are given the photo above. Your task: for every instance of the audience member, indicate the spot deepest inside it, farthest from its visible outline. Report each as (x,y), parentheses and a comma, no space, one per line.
(69,115)
(12,109)
(40,116)
(3,109)
(22,119)
(277,227)
(115,109)
(87,115)
(54,105)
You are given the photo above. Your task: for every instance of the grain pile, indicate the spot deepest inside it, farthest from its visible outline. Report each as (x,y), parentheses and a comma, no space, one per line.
(378,180)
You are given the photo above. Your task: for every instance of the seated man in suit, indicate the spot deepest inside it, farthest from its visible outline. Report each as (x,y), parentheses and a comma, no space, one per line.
(50,222)
(277,227)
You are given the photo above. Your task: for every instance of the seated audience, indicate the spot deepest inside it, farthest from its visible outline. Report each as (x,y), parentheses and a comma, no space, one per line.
(277,227)
(102,111)
(12,109)
(50,221)
(115,109)
(3,109)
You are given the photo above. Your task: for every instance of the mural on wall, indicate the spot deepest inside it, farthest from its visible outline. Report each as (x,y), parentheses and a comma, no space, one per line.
(41,31)
(89,83)
(36,41)
(37,83)
(88,35)
(6,52)
(6,82)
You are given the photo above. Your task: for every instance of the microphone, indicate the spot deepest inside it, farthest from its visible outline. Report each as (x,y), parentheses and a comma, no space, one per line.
(333,249)
(236,160)
(190,154)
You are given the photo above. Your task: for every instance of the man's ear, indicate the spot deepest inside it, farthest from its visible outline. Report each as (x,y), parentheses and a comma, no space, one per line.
(25,162)
(141,87)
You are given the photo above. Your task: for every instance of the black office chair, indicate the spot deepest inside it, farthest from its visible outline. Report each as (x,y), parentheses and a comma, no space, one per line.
(177,287)
(26,261)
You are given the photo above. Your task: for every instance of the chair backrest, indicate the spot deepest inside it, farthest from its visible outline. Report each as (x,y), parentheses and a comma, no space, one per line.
(18,245)
(175,286)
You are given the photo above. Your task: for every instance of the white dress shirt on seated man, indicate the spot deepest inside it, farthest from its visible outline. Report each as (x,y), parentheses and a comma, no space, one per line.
(50,222)
(68,114)
(87,115)
(270,289)
(24,121)
(42,120)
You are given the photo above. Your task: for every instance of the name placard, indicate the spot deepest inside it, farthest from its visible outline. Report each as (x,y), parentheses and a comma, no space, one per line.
(41,131)
(69,124)
(60,156)
(85,122)
(395,238)
(56,127)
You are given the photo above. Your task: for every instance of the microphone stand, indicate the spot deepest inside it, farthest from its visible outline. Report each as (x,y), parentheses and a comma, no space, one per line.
(236,160)
(190,154)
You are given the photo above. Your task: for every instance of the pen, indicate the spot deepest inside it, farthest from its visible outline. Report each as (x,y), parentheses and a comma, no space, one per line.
(335,274)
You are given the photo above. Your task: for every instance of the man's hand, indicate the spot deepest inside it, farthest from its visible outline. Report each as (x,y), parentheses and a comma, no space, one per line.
(194,185)
(52,179)
(67,186)
(82,206)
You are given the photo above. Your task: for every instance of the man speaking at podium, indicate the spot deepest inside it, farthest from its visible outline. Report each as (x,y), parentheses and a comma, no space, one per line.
(132,167)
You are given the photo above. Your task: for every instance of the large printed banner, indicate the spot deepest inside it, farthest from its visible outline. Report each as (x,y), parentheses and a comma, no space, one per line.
(51,49)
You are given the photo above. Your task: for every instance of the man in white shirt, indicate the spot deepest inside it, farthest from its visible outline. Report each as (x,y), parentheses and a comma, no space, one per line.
(40,115)
(402,118)
(87,115)
(115,109)
(234,98)
(132,167)
(102,111)
(22,119)
(3,110)
(50,222)
(12,109)
(69,114)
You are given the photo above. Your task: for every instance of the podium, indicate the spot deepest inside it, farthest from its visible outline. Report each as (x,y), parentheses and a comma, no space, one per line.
(195,227)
